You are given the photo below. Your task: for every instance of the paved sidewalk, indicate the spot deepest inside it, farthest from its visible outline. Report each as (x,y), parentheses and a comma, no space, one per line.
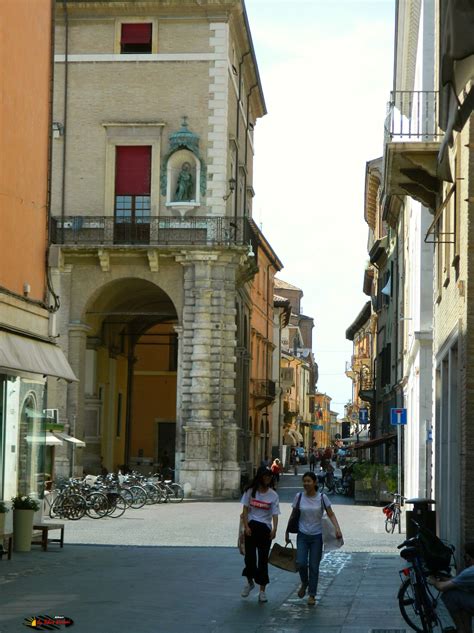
(175,568)
(172,590)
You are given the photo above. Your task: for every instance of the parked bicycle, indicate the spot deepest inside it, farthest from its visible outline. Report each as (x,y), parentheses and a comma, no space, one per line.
(169,490)
(427,555)
(393,513)
(327,481)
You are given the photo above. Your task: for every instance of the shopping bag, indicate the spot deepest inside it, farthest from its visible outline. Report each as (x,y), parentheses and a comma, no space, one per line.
(330,542)
(241,536)
(283,557)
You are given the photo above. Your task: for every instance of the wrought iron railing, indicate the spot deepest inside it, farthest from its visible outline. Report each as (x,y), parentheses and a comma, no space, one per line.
(413,116)
(264,389)
(152,231)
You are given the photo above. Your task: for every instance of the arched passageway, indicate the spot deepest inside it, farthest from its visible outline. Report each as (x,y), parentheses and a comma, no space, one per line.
(130,377)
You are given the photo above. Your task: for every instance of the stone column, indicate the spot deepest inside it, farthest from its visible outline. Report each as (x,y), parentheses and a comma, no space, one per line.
(180,438)
(75,391)
(208,374)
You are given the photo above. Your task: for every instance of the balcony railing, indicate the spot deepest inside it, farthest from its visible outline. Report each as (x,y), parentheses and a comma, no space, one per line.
(265,389)
(152,231)
(413,116)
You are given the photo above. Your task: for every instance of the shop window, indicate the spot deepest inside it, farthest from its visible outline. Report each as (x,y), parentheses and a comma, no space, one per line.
(136,38)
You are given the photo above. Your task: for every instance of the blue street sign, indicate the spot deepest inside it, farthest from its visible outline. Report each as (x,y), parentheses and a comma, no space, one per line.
(363,416)
(398,417)
(317,427)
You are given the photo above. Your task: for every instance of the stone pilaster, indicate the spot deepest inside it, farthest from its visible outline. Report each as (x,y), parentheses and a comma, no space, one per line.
(208,374)
(75,391)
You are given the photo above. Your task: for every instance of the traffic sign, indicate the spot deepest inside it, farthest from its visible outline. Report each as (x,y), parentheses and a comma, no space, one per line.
(398,417)
(363,416)
(317,427)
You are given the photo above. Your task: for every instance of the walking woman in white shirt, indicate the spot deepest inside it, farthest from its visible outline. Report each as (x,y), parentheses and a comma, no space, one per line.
(310,539)
(260,517)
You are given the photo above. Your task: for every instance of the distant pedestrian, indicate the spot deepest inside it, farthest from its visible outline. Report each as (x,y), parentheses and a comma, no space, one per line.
(312,460)
(276,469)
(260,517)
(265,463)
(309,541)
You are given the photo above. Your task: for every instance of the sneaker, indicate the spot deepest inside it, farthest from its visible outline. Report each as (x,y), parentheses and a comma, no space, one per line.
(302,590)
(311,601)
(262,597)
(247,589)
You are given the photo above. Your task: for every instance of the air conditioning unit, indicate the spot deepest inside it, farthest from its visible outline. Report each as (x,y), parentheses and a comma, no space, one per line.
(52,414)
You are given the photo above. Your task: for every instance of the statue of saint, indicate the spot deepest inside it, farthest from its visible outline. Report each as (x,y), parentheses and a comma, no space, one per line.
(185,185)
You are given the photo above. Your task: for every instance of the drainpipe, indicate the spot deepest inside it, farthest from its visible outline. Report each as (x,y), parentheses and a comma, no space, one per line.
(247,145)
(66,72)
(237,133)
(49,284)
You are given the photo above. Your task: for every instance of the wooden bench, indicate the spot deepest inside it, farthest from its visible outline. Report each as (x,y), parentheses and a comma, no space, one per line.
(45,528)
(6,536)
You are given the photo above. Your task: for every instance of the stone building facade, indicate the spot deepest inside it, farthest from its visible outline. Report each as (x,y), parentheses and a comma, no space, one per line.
(152,245)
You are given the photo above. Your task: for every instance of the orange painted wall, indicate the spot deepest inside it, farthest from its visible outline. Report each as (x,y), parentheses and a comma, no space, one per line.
(154,392)
(261,326)
(25,70)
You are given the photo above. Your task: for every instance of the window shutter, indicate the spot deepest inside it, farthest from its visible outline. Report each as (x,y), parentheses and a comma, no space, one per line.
(136,33)
(133,170)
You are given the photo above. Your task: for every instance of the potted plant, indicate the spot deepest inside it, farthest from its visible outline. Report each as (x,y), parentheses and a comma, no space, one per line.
(3,512)
(24,508)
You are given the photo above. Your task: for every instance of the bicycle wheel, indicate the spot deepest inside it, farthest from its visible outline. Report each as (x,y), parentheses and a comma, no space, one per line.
(417,607)
(139,497)
(73,507)
(97,505)
(176,493)
(120,505)
(127,495)
(389,526)
(55,507)
(154,494)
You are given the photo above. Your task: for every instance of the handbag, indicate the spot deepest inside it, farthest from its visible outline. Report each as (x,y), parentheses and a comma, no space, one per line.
(283,557)
(330,541)
(294,520)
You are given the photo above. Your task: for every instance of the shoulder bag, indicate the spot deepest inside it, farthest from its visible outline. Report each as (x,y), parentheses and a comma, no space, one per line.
(330,541)
(294,520)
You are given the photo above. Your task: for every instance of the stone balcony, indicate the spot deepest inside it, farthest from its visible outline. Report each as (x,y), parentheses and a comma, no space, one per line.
(100,231)
(412,142)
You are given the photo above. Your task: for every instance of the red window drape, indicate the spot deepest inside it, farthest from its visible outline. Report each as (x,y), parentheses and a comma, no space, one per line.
(136,33)
(133,170)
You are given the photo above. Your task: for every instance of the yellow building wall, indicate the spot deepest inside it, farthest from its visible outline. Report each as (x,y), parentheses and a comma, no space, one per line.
(154,390)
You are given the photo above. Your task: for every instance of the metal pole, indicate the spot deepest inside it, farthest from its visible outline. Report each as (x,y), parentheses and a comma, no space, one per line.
(399,459)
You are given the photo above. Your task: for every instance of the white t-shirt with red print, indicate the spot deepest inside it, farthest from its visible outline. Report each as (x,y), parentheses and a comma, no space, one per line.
(262,507)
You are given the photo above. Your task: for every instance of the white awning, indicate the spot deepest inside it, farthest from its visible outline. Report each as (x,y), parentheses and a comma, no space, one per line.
(20,353)
(48,438)
(72,440)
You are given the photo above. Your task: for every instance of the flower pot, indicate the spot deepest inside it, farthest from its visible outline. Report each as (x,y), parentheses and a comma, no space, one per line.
(3,517)
(22,530)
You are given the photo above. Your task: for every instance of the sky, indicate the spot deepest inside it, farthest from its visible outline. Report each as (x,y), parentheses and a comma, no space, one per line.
(326,69)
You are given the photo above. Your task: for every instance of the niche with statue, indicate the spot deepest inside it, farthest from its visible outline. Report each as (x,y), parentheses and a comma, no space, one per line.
(183,175)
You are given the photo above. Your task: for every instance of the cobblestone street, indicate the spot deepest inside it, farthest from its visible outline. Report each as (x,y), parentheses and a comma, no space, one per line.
(168,569)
